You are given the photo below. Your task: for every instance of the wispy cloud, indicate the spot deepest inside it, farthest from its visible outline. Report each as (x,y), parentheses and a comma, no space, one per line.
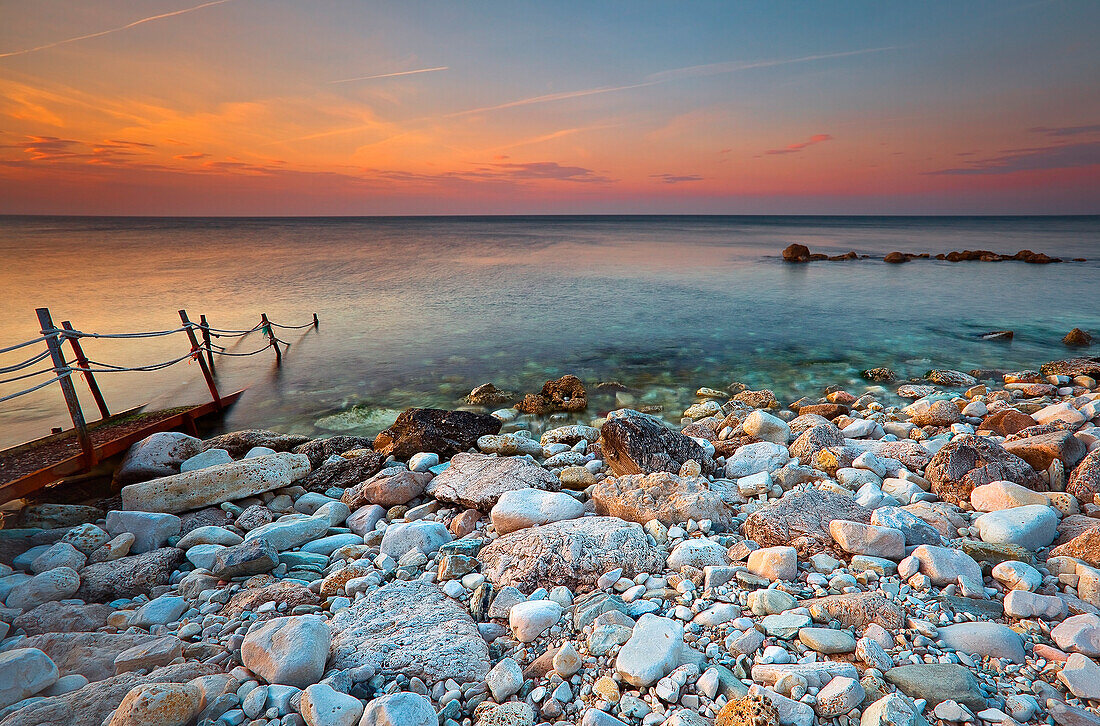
(391,75)
(674,74)
(134,24)
(1063,156)
(676,178)
(794,148)
(713,69)
(550,97)
(1065,130)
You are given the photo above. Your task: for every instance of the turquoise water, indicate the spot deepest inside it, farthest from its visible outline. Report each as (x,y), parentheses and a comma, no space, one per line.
(416,311)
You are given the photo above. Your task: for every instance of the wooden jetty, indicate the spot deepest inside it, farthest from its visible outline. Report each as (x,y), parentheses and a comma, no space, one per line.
(30,466)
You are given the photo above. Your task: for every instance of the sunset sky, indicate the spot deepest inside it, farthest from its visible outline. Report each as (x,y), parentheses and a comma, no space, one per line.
(338,107)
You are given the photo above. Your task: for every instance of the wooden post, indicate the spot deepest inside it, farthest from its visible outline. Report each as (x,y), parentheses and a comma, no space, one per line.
(271,337)
(71,401)
(202,361)
(82,362)
(316,322)
(206,343)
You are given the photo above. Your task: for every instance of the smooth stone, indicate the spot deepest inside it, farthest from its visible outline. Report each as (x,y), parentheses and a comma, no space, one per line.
(151,529)
(57,584)
(520,508)
(290,531)
(827,640)
(210,534)
(423,536)
(23,673)
(290,651)
(323,705)
(1032,526)
(210,457)
(938,682)
(655,648)
(1081,676)
(399,709)
(528,620)
(991,640)
(1024,604)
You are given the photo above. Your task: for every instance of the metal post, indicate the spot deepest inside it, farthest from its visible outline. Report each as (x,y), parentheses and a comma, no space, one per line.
(71,401)
(82,362)
(271,337)
(206,344)
(202,361)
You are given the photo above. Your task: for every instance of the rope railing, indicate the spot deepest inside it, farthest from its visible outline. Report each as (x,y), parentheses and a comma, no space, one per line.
(53,337)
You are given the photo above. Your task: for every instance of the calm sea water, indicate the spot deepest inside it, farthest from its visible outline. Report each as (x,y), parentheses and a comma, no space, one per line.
(416,311)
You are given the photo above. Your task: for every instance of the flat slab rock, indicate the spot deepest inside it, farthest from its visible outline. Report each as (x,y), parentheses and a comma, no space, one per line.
(801,520)
(92,655)
(476,481)
(573,553)
(92,704)
(63,617)
(411,628)
(663,496)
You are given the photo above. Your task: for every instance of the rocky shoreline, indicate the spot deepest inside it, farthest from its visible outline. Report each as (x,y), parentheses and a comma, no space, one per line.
(834,560)
(799,253)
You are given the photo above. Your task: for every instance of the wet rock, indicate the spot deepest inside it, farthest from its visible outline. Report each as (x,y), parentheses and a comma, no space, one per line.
(488,395)
(1072,367)
(637,443)
(410,628)
(216,484)
(387,488)
(573,553)
(128,577)
(156,455)
(564,394)
(238,443)
(434,430)
(344,474)
(1077,338)
(896,258)
(879,375)
(666,497)
(796,253)
(951,379)
(970,461)
(801,519)
(477,480)
(319,450)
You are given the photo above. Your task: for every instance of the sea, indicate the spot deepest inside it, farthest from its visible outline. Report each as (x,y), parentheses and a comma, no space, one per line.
(416,311)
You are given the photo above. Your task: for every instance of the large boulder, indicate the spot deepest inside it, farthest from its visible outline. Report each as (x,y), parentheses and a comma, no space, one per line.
(434,430)
(573,553)
(1084,482)
(410,628)
(971,461)
(532,507)
(239,443)
(290,651)
(128,577)
(92,655)
(63,617)
(476,481)
(156,455)
(92,704)
(345,473)
(23,673)
(1041,450)
(216,484)
(669,498)
(801,519)
(812,441)
(637,443)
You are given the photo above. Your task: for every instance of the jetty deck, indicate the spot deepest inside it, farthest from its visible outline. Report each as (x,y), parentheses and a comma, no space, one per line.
(30,466)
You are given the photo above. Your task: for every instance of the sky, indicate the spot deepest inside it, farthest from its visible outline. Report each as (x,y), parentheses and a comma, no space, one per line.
(353,107)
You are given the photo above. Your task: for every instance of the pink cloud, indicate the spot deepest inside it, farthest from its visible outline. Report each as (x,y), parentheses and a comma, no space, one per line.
(793,148)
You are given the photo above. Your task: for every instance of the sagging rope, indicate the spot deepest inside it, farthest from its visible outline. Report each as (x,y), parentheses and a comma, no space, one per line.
(24,344)
(32,389)
(27,363)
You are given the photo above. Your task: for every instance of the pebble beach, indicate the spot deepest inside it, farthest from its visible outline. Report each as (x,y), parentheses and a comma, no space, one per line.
(901,551)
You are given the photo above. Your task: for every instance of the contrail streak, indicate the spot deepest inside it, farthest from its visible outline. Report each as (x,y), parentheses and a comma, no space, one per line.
(112,30)
(390,75)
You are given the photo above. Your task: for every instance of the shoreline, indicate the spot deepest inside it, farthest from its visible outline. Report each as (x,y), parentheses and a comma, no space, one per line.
(825,560)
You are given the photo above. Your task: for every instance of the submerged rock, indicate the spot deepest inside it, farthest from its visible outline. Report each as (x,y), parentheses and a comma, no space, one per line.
(564,394)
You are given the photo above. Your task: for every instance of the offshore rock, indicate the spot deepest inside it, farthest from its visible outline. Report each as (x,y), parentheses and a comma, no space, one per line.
(564,394)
